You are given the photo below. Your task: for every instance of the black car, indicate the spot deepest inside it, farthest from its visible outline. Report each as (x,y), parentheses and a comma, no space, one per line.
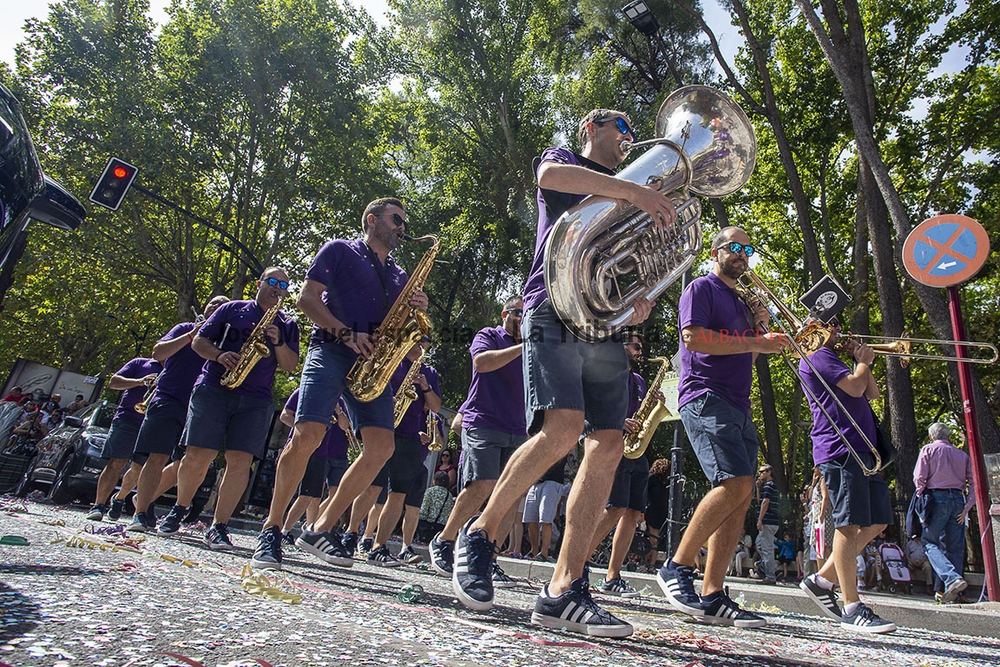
(26,193)
(68,461)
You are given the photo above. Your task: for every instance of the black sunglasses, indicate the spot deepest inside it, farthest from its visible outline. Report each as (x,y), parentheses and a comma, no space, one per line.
(637,346)
(620,122)
(397,220)
(735,248)
(516,312)
(274,282)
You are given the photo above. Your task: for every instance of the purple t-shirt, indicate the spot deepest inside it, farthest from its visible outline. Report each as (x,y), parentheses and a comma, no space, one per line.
(415,418)
(359,289)
(827,445)
(636,392)
(711,304)
(180,369)
(334,444)
(137,368)
(496,399)
(228,328)
(551,205)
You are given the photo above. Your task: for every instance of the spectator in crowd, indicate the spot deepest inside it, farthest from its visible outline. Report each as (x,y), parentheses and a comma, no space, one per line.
(916,559)
(540,508)
(435,508)
(446,464)
(657,504)
(744,558)
(78,404)
(15,395)
(768,522)
(55,400)
(786,553)
(943,475)
(32,426)
(55,419)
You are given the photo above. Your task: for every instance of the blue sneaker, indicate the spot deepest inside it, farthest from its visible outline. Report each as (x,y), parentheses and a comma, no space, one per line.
(172,522)
(576,611)
(720,609)
(677,583)
(472,574)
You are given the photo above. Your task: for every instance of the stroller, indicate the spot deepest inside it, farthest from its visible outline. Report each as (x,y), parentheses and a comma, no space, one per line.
(895,574)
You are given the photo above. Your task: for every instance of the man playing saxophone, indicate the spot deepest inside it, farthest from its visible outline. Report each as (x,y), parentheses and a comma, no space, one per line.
(238,416)
(572,388)
(350,288)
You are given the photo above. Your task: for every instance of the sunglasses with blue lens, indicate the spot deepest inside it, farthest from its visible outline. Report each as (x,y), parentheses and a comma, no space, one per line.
(620,123)
(735,248)
(274,282)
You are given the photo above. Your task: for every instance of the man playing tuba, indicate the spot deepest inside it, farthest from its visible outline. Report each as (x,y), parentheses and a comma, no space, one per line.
(572,388)
(350,288)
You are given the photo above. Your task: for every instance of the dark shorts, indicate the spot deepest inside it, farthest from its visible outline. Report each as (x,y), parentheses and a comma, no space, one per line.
(857,499)
(321,471)
(723,438)
(562,372)
(631,481)
(407,474)
(162,428)
(324,380)
(121,440)
(219,418)
(485,453)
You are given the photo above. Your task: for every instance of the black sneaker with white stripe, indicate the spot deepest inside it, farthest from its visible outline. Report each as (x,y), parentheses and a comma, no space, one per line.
(325,546)
(576,611)
(472,575)
(620,587)
(500,578)
(825,599)
(442,555)
(865,620)
(382,557)
(720,609)
(677,583)
(217,538)
(267,556)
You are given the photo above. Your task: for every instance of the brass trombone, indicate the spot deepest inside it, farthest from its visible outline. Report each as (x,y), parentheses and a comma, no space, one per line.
(902,346)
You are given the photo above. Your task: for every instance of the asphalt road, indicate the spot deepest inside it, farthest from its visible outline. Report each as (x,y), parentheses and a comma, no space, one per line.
(64,600)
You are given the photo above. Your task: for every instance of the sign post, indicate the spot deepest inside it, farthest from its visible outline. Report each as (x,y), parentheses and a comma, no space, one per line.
(945,251)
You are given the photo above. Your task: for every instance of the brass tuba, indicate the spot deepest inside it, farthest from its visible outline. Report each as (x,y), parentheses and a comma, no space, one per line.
(402,327)
(406,394)
(650,413)
(253,350)
(603,254)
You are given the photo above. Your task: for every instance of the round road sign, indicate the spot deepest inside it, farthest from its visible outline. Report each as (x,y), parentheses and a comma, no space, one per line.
(945,250)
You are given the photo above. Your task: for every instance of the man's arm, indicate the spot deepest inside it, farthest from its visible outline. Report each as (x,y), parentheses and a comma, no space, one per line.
(764,504)
(165,349)
(488,361)
(577,180)
(707,341)
(287,417)
(861,382)
(920,472)
(120,382)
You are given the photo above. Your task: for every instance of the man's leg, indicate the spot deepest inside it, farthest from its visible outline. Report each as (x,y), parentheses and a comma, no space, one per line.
(935,539)
(191,472)
(129,480)
(609,518)
(622,542)
(387,521)
(295,512)
(718,505)
(765,546)
(722,543)
(533,537)
(361,508)
(374,515)
(468,502)
(411,517)
(379,445)
(108,479)
(168,478)
(149,481)
(291,467)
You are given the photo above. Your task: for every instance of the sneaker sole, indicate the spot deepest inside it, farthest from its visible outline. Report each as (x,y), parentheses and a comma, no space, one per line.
(323,556)
(716,620)
(819,603)
(870,629)
(952,595)
(555,623)
(95,518)
(136,529)
(221,547)
(164,533)
(265,565)
(414,560)
(674,602)
(463,597)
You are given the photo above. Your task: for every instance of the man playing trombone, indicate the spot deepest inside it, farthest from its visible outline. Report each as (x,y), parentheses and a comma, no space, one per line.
(861,504)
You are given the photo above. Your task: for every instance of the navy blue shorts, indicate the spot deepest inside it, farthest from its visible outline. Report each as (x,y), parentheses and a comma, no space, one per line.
(162,428)
(321,471)
(121,440)
(857,499)
(631,482)
(218,417)
(723,438)
(562,372)
(407,474)
(324,380)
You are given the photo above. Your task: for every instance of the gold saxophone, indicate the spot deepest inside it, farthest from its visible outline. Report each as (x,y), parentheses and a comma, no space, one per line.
(650,413)
(402,327)
(406,394)
(253,350)
(437,442)
(141,406)
(353,444)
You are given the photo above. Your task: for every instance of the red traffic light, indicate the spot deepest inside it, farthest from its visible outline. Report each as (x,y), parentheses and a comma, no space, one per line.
(113,184)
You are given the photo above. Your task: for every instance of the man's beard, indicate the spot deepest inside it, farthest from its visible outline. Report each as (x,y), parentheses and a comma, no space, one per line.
(734,269)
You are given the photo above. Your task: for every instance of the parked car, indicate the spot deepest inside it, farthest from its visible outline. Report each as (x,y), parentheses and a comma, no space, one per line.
(68,461)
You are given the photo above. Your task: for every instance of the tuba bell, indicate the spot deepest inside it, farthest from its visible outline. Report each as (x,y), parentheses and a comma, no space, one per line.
(604,254)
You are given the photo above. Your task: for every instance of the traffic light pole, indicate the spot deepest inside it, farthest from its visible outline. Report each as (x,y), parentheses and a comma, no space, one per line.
(248,257)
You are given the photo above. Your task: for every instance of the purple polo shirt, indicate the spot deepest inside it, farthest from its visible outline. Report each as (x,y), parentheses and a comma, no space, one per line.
(228,328)
(180,369)
(551,205)
(827,445)
(711,304)
(334,444)
(636,392)
(133,370)
(942,465)
(415,418)
(496,399)
(359,288)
